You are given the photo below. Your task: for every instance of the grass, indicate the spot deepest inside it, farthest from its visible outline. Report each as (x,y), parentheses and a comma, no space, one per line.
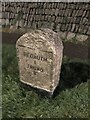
(71,96)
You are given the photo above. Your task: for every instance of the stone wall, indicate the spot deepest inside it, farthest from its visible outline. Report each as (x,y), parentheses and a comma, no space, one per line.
(59,16)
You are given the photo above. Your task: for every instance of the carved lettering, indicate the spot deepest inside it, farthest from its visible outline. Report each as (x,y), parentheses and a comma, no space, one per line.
(35,68)
(34,56)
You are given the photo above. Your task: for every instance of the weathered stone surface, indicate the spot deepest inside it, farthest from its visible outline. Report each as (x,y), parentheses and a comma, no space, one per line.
(70,36)
(40,56)
(67,13)
(81,37)
(62,35)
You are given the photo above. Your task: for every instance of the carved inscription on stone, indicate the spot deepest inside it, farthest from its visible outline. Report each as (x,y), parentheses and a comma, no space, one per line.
(36,67)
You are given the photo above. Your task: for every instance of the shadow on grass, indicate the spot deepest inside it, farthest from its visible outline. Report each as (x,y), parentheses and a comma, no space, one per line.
(72,74)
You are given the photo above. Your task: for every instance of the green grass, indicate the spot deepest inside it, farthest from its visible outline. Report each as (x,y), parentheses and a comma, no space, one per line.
(70,101)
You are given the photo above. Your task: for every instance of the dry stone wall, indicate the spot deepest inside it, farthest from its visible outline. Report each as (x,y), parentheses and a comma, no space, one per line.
(59,16)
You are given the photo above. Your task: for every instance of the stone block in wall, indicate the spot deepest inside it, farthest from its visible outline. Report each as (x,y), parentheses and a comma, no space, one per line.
(65,5)
(61,19)
(45,5)
(21,23)
(33,5)
(63,27)
(38,18)
(0,15)
(76,28)
(77,6)
(74,13)
(66,27)
(17,9)
(57,12)
(25,23)
(61,6)
(11,15)
(69,27)
(16,15)
(62,35)
(49,18)
(55,5)
(70,36)
(39,24)
(13,10)
(7,22)
(46,11)
(58,27)
(88,14)
(53,18)
(44,24)
(37,11)
(40,4)
(83,29)
(52,25)
(42,17)
(29,24)
(3,21)
(68,19)
(61,13)
(52,12)
(52,4)
(77,20)
(17,24)
(79,13)
(80,5)
(84,13)
(71,6)
(0,21)
(24,16)
(57,20)
(0,8)
(86,6)
(3,7)
(30,5)
(73,27)
(58,5)
(88,31)
(85,21)
(23,10)
(81,38)
(32,11)
(65,19)
(34,18)
(5,15)
(7,9)
(45,18)
(33,25)
(71,20)
(68,12)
